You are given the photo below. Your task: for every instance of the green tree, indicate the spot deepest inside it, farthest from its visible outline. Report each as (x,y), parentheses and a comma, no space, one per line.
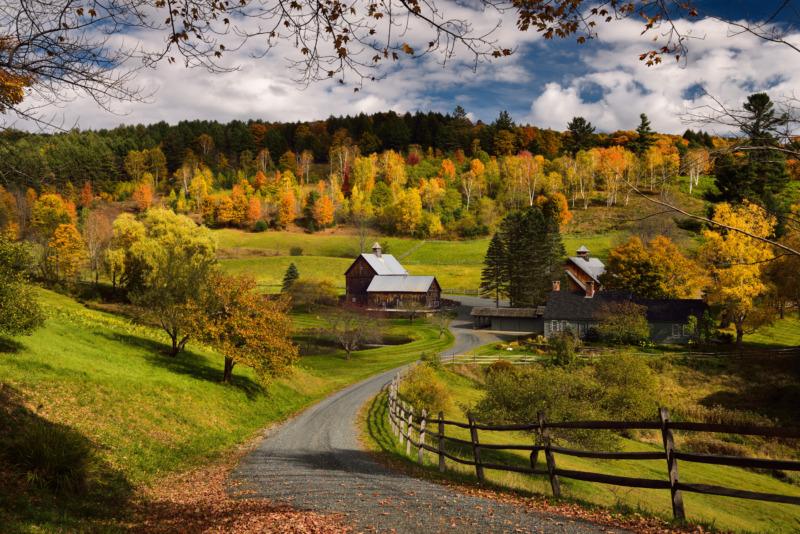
(494,278)
(177,258)
(290,277)
(757,173)
(20,312)
(580,136)
(623,323)
(645,137)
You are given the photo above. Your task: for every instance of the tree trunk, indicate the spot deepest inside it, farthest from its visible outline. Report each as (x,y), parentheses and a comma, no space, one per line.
(739,335)
(227,374)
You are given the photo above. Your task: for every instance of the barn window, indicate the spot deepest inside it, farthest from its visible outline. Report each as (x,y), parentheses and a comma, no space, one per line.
(676,330)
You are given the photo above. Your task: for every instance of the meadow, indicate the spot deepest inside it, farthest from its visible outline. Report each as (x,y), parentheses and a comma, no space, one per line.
(713,512)
(326,255)
(103,386)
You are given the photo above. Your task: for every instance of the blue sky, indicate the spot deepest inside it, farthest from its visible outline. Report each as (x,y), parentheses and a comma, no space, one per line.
(544,83)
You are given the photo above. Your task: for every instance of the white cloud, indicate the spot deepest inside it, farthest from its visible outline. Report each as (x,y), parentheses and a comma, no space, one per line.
(265,88)
(727,67)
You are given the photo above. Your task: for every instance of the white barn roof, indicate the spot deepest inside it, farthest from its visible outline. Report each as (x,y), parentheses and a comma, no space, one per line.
(385,264)
(591,266)
(400,284)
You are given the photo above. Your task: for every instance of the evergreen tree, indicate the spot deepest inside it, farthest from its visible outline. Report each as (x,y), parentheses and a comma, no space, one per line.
(644,136)
(532,251)
(760,174)
(580,135)
(291,276)
(493,276)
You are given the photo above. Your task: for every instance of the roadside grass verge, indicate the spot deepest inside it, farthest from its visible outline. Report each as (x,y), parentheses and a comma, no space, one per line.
(718,512)
(101,390)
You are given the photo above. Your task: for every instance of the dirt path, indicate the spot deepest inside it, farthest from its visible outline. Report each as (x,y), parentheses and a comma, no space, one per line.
(314,462)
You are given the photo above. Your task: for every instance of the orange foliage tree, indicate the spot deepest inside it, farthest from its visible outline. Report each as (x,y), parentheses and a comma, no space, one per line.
(244,326)
(253,210)
(323,211)
(143,196)
(87,195)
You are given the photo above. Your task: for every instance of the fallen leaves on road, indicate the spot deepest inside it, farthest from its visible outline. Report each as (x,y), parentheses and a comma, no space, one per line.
(197,501)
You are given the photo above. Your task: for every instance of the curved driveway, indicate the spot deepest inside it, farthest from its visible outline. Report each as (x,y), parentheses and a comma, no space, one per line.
(315,462)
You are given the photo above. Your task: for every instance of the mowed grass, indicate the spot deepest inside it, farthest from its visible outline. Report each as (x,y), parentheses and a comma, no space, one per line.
(783,332)
(326,256)
(721,512)
(146,414)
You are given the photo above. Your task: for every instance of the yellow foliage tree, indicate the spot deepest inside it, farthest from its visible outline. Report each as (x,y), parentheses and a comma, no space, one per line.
(66,253)
(735,263)
(239,205)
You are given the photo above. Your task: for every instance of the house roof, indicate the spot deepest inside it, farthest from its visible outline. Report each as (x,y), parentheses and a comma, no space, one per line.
(384,265)
(400,284)
(568,305)
(507,312)
(591,266)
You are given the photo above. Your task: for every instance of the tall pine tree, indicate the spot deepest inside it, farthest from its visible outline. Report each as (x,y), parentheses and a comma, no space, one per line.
(494,283)
(645,137)
(580,136)
(528,255)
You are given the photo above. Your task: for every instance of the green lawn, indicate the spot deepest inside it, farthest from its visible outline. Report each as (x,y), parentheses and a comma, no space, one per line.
(721,512)
(143,414)
(783,332)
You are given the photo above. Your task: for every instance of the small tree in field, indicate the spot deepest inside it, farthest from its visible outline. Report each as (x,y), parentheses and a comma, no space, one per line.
(563,347)
(442,319)
(351,330)
(244,326)
(290,277)
(20,312)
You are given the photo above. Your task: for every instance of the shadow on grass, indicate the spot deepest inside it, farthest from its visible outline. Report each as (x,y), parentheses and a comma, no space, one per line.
(186,363)
(10,346)
(52,476)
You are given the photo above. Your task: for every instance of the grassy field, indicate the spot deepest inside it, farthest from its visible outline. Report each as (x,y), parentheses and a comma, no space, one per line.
(783,332)
(106,385)
(456,264)
(720,512)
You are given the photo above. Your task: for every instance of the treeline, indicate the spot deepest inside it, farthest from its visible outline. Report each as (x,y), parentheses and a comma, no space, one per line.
(68,159)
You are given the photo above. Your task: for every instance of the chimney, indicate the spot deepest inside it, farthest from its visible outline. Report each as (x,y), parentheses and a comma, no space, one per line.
(376,249)
(590,289)
(583,252)
(556,285)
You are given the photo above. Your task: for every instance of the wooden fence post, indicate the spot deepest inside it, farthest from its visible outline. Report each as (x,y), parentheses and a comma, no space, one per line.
(408,427)
(441,442)
(402,424)
(678,511)
(555,485)
(476,450)
(422,425)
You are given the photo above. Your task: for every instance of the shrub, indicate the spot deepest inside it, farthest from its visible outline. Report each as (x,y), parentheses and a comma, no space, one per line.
(592,335)
(431,359)
(562,395)
(261,226)
(309,295)
(623,323)
(563,347)
(629,386)
(500,366)
(55,458)
(422,388)
(296,251)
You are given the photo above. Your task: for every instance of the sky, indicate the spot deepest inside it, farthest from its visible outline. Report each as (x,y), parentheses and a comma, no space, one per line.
(544,83)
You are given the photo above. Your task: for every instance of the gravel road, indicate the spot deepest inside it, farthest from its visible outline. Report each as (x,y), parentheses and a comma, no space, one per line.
(314,462)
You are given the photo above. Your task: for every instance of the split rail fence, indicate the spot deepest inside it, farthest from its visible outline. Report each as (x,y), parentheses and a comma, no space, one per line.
(431,436)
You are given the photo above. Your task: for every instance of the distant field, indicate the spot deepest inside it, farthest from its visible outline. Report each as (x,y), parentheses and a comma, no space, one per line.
(143,414)
(456,264)
(724,513)
(782,332)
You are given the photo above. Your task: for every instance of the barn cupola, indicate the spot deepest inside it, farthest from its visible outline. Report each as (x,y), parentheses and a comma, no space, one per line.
(583,252)
(376,249)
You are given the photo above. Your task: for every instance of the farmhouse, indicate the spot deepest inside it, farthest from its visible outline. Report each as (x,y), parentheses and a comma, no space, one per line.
(379,281)
(579,306)
(668,318)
